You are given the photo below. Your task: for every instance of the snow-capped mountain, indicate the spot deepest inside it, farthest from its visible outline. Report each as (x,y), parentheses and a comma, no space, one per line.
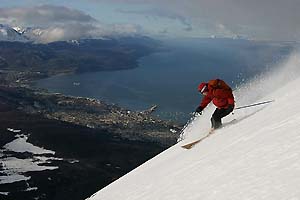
(57,33)
(257,156)
(19,29)
(9,34)
(33,33)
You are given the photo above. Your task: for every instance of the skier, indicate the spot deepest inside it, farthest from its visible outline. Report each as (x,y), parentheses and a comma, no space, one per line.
(221,95)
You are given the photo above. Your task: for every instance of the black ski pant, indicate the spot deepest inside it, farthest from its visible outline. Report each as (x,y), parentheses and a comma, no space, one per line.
(218,115)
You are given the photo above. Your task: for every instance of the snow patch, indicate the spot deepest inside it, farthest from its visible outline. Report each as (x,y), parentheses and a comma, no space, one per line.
(13,130)
(14,168)
(21,145)
(13,178)
(31,189)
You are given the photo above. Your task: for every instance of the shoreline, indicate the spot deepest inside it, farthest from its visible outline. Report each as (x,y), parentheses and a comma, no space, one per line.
(22,83)
(105,140)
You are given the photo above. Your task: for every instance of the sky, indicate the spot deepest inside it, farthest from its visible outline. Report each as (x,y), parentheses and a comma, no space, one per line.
(255,19)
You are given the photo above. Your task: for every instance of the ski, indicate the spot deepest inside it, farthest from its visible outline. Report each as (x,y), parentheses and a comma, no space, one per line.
(190,145)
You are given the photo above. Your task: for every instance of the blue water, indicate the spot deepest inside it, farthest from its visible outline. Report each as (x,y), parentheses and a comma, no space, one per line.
(170,78)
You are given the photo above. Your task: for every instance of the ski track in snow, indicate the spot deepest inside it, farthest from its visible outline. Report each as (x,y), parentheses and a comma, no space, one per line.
(258,157)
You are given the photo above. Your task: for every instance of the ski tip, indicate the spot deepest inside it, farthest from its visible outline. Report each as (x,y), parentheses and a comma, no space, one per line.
(190,145)
(185,147)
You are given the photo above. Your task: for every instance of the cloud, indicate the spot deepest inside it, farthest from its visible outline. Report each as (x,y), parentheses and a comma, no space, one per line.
(76,31)
(266,19)
(58,23)
(156,12)
(44,15)
(126,29)
(263,19)
(260,19)
(60,32)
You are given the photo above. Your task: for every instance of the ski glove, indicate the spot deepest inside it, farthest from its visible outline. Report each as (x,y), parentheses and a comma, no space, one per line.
(199,110)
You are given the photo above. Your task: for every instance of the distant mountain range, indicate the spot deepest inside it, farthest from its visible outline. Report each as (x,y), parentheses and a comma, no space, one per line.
(8,33)
(40,34)
(20,34)
(20,53)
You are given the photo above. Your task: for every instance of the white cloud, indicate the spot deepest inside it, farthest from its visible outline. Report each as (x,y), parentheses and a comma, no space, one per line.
(44,15)
(160,13)
(60,32)
(80,31)
(58,23)
(263,19)
(127,29)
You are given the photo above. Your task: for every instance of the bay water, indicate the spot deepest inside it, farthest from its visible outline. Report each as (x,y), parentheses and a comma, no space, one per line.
(170,78)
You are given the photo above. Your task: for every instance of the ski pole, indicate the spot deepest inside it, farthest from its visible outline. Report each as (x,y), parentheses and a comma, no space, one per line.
(256,104)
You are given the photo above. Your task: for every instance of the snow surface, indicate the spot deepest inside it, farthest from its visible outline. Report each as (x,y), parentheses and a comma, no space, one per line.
(21,145)
(13,169)
(257,157)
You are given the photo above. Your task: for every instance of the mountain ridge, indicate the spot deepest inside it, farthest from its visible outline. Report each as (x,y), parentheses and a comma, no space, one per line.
(7,33)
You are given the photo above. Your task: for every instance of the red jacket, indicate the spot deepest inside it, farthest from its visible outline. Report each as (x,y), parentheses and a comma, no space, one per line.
(219,93)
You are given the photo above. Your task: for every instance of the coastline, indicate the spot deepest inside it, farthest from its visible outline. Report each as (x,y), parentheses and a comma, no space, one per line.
(96,142)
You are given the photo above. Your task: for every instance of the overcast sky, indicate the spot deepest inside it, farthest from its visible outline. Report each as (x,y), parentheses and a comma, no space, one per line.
(256,19)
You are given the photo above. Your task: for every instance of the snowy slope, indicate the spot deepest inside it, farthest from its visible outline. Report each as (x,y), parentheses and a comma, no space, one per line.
(256,158)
